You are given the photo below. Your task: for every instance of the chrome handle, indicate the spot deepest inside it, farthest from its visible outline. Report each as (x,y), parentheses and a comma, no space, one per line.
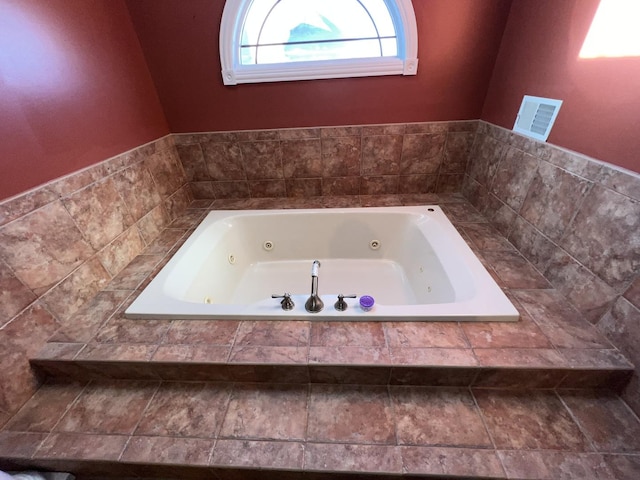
(341,305)
(287,302)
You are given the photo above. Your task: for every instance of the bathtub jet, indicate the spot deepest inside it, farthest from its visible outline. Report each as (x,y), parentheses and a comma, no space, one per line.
(239,264)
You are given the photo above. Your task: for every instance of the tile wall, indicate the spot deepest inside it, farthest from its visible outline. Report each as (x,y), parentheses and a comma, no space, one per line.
(62,243)
(576,219)
(328,161)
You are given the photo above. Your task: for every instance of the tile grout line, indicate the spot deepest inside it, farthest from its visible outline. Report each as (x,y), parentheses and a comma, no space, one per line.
(52,430)
(306,441)
(133,430)
(231,387)
(576,421)
(394,413)
(488,430)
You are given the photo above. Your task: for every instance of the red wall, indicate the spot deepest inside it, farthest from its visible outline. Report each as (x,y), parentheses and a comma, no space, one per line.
(539,56)
(74,89)
(458,39)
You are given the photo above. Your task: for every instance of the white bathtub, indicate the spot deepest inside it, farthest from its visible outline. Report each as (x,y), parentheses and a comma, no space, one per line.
(411,260)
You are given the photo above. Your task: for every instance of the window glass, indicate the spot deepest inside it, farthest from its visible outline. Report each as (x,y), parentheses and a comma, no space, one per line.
(281,31)
(284,40)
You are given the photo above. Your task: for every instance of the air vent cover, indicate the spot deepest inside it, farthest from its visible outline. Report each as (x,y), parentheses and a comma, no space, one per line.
(536,117)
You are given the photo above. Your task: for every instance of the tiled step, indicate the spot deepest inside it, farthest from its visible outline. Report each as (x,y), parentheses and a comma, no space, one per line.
(506,368)
(128,429)
(548,350)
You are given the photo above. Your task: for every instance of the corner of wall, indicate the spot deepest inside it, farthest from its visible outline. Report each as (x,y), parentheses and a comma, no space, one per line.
(576,219)
(63,243)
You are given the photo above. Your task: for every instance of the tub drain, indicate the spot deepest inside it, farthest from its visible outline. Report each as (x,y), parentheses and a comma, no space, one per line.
(268,245)
(231,259)
(374,244)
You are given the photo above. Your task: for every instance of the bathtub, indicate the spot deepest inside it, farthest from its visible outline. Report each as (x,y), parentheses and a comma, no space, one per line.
(411,260)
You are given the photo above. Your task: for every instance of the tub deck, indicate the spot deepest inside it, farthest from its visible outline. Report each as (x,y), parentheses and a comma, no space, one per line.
(551,337)
(481,371)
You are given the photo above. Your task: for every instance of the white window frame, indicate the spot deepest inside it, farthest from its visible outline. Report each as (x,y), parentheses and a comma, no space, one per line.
(233,73)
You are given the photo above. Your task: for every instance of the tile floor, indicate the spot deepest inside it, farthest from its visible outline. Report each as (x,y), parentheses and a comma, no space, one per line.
(255,399)
(387,430)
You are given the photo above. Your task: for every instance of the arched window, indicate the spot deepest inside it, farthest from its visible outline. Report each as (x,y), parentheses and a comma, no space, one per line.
(279,40)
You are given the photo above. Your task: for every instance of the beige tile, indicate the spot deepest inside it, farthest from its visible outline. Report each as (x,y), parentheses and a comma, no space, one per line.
(262,159)
(438,417)
(273,333)
(301,158)
(529,420)
(166,169)
(381,154)
(606,419)
(171,450)
(20,444)
(74,446)
(122,250)
(185,410)
(100,212)
(266,354)
(350,414)
(14,295)
(454,462)
(43,247)
(425,335)
(130,182)
(267,412)
(83,325)
(624,467)
(365,459)
(45,408)
(341,334)
(70,295)
(202,332)
(258,454)
(547,465)
(553,199)
(113,407)
(29,331)
(153,223)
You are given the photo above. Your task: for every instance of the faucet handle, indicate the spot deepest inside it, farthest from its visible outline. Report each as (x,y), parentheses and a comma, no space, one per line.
(287,303)
(341,305)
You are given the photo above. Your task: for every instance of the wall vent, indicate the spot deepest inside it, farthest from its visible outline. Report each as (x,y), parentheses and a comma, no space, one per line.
(536,117)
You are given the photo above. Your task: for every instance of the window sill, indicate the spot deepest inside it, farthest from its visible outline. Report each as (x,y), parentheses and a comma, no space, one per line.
(282,72)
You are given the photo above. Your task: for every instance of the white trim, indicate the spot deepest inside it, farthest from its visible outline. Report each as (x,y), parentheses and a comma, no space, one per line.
(233,73)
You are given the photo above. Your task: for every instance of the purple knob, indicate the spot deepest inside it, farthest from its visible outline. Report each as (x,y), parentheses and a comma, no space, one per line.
(366,302)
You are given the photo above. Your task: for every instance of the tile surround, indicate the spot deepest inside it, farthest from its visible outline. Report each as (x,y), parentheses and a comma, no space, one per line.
(575,218)
(309,162)
(585,248)
(62,244)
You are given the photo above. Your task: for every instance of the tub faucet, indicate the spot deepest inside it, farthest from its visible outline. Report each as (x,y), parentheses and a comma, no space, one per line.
(314,304)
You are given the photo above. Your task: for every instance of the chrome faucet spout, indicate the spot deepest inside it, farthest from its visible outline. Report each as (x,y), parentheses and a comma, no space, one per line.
(314,303)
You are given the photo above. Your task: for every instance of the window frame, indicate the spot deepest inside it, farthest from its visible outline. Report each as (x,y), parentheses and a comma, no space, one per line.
(234,73)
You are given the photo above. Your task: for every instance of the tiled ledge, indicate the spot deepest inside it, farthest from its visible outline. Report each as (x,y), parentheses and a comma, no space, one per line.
(228,431)
(552,346)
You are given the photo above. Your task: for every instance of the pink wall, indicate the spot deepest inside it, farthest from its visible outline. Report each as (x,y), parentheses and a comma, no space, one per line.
(539,56)
(458,39)
(74,89)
